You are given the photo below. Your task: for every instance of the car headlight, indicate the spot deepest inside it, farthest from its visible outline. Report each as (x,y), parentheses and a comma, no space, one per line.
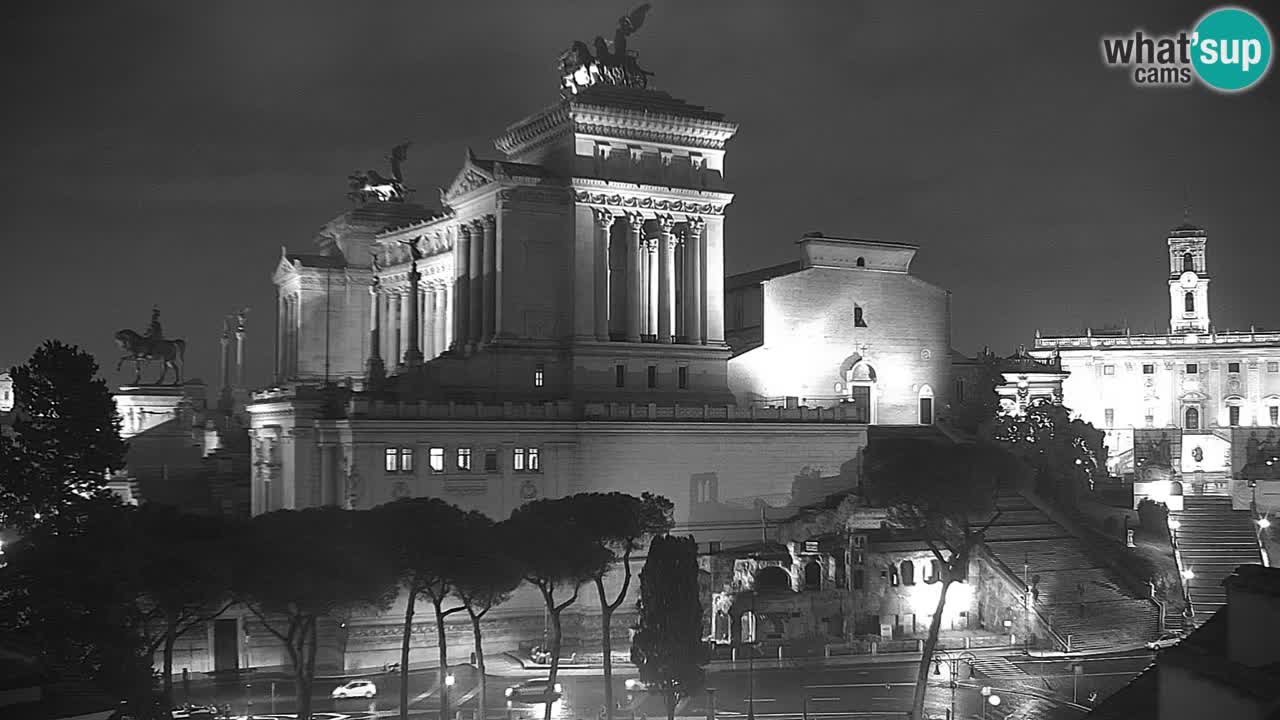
(510,691)
(557,687)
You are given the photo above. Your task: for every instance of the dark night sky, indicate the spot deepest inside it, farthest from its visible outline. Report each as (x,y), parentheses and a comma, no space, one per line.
(162,152)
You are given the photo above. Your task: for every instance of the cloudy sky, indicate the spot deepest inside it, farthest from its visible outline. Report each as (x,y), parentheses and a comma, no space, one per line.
(162,152)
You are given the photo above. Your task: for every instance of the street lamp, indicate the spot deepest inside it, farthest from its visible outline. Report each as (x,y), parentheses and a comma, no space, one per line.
(953,667)
(751,662)
(1188,574)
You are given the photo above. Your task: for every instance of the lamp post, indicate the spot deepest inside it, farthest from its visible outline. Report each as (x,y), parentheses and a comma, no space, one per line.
(953,667)
(751,663)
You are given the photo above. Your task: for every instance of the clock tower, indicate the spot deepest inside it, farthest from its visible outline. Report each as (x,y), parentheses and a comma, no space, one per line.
(1188,281)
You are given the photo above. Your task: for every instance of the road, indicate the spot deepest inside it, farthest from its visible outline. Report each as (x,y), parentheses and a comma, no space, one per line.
(1036,690)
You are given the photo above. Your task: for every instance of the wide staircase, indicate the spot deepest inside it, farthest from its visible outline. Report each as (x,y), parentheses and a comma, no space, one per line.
(1078,594)
(1213,540)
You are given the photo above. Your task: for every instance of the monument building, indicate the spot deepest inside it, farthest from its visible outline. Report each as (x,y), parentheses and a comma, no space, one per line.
(557,324)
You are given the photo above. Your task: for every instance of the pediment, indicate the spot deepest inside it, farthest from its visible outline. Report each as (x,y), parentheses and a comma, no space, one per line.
(470,177)
(284,268)
(1193,396)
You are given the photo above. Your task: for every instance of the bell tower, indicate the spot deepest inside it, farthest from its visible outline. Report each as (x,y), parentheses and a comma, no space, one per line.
(1188,280)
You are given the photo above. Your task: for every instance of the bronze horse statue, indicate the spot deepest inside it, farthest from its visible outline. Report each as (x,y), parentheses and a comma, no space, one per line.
(140,348)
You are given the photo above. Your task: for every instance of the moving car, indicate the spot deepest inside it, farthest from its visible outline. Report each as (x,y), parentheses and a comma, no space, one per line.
(637,685)
(355,689)
(1166,640)
(535,690)
(194,712)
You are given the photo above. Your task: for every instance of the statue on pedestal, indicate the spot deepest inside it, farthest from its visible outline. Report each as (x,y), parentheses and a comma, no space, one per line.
(579,69)
(371,185)
(142,348)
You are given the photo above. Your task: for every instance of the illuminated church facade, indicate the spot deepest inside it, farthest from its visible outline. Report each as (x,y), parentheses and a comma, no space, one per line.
(1204,392)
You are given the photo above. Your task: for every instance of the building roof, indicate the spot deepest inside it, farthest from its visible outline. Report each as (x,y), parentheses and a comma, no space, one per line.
(506,167)
(643,100)
(755,277)
(1185,229)
(317,261)
(1022,362)
(1256,579)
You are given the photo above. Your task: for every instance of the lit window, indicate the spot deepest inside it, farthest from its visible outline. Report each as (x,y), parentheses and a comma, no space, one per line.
(1273,367)
(1192,368)
(437,459)
(535,460)
(406,459)
(893,577)
(390,464)
(1233,367)
(538,376)
(653,376)
(464,458)
(1148,369)
(517,459)
(1274,411)
(1110,414)
(620,375)
(682,377)
(1151,417)
(1108,369)
(1233,415)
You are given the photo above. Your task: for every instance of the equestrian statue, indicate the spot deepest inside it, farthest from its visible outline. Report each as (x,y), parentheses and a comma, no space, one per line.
(151,346)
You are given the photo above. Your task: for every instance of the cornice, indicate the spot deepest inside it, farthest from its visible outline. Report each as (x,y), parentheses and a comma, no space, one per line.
(653,127)
(534,129)
(606,194)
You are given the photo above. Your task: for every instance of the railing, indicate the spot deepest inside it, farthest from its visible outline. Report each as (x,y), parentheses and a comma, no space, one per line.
(1013,579)
(1213,338)
(564,410)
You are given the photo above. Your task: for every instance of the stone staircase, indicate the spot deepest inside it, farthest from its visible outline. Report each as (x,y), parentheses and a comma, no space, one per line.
(1213,540)
(1078,594)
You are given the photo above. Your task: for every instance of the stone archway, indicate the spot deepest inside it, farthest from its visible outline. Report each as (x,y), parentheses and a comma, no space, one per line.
(772,578)
(813,575)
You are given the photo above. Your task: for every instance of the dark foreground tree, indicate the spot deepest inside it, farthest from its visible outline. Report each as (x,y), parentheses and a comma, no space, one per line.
(557,556)
(1065,455)
(485,581)
(938,490)
(66,437)
(668,647)
(620,524)
(425,539)
(300,567)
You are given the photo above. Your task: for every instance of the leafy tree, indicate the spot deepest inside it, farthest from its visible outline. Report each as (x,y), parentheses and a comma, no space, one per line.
(934,489)
(302,566)
(184,575)
(1065,455)
(71,587)
(66,437)
(557,554)
(620,524)
(668,648)
(424,535)
(487,580)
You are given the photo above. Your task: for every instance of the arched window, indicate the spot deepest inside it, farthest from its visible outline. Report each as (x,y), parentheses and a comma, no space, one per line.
(1188,262)
(1193,419)
(858,319)
(861,262)
(933,575)
(813,576)
(926,405)
(1189,300)
(772,578)
(908,572)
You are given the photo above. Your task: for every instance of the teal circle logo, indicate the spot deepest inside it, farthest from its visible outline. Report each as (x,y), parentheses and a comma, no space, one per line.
(1231,49)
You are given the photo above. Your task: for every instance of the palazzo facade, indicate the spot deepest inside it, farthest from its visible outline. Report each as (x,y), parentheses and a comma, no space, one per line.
(1206,389)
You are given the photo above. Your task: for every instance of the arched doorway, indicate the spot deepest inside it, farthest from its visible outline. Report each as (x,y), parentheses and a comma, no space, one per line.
(813,575)
(857,384)
(925,399)
(772,578)
(1192,416)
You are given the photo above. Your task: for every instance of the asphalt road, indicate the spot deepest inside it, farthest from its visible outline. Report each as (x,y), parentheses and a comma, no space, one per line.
(870,692)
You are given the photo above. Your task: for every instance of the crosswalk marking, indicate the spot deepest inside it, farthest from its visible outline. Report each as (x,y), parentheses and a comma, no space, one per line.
(998,668)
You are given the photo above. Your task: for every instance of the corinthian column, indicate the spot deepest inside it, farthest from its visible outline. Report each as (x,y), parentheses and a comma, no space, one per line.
(413,351)
(666,279)
(439,319)
(651,286)
(635,271)
(475,268)
(376,371)
(462,287)
(693,323)
(604,221)
(488,281)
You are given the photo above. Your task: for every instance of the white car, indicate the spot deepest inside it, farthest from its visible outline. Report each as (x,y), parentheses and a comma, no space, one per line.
(539,690)
(1166,640)
(355,689)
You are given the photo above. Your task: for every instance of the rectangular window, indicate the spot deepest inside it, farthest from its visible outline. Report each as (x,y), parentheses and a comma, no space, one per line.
(1148,369)
(682,377)
(517,459)
(1274,412)
(1233,367)
(1111,417)
(535,460)
(859,579)
(959,390)
(538,376)
(464,459)
(653,376)
(1192,368)
(406,459)
(392,461)
(490,460)
(436,458)
(1108,369)
(1273,367)
(1233,415)
(620,375)
(1151,417)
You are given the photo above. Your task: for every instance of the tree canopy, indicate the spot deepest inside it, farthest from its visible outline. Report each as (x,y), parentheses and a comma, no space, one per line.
(668,648)
(1066,455)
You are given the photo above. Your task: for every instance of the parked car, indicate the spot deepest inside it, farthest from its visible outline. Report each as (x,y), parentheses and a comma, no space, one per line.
(195,712)
(355,689)
(1166,640)
(538,690)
